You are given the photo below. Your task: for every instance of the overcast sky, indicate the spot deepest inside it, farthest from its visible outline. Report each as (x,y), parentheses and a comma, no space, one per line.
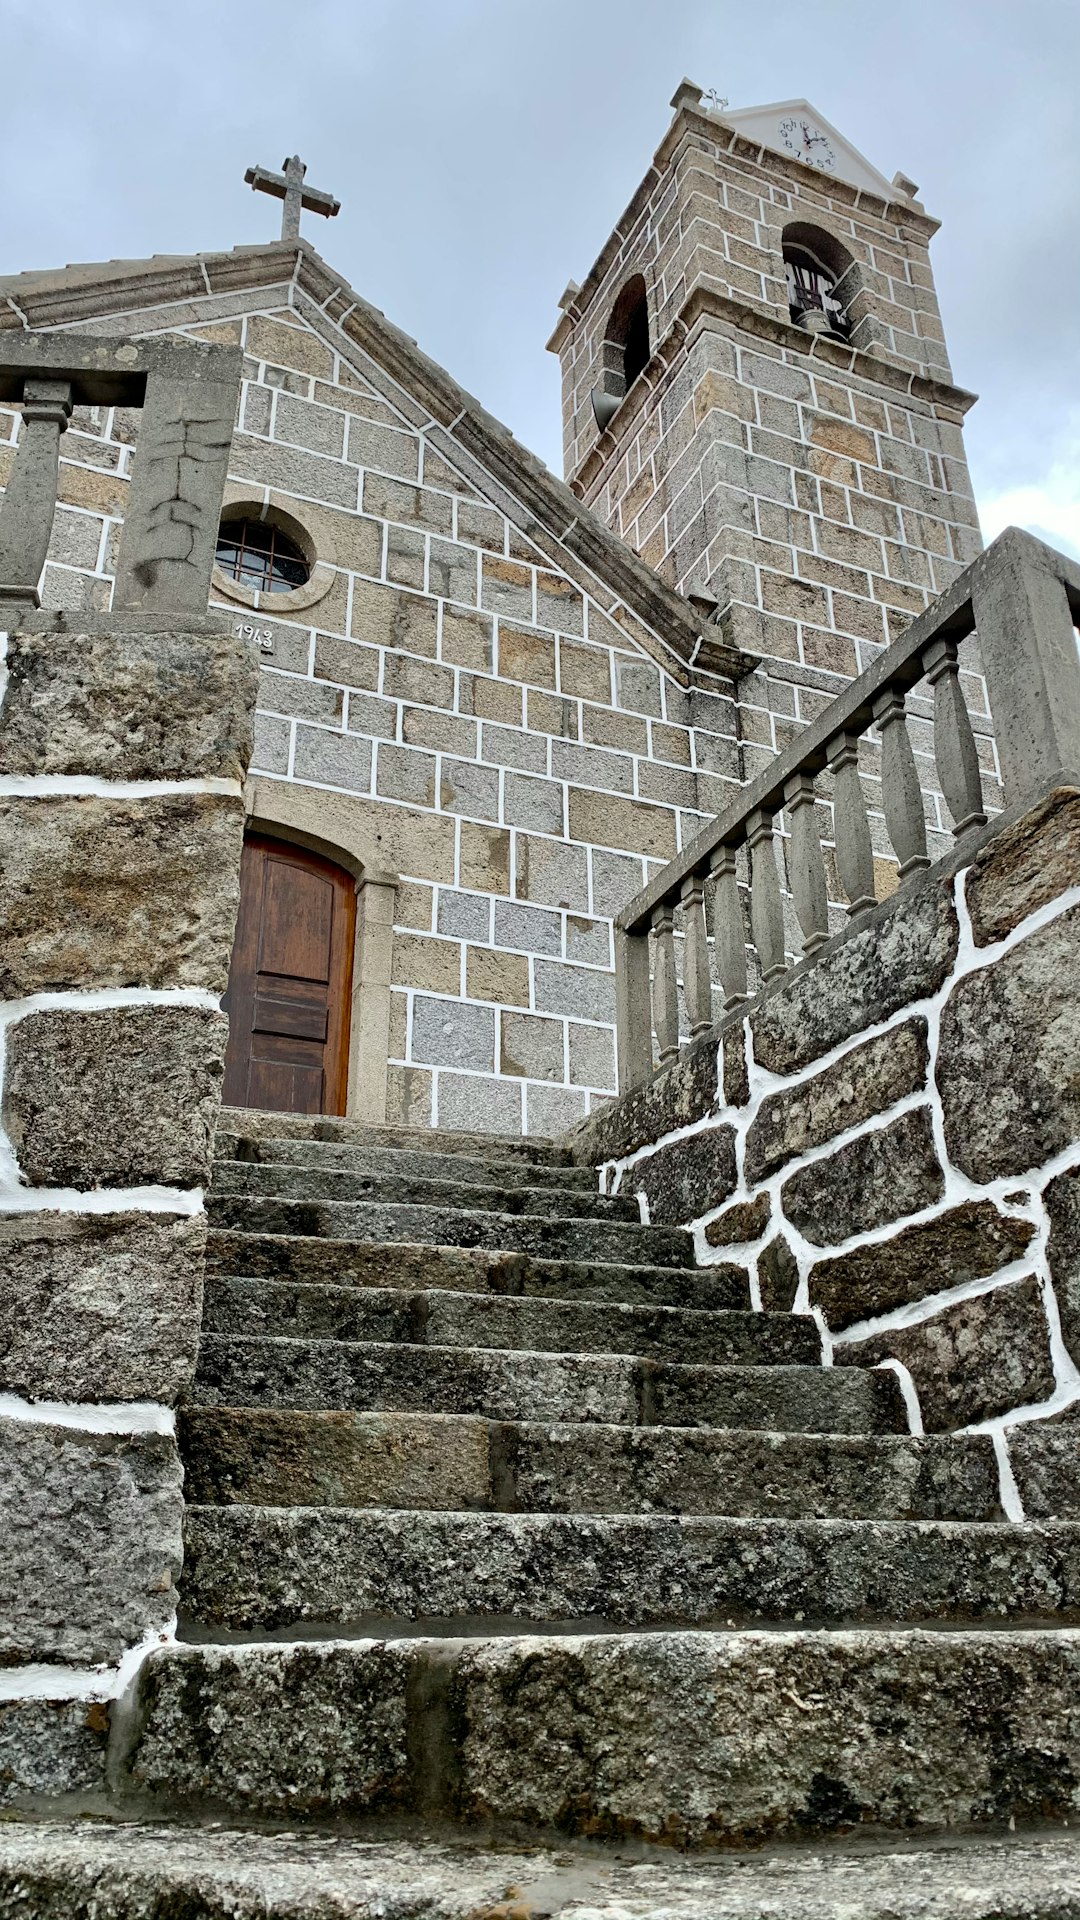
(483,149)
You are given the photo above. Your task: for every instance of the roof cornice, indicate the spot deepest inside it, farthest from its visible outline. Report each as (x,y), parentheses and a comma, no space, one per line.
(707,303)
(71,296)
(554,517)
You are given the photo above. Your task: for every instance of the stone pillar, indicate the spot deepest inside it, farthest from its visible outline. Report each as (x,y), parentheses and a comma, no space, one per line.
(369,1038)
(1021,592)
(123,746)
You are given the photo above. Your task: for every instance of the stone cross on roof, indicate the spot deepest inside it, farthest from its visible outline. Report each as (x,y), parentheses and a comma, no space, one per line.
(289,186)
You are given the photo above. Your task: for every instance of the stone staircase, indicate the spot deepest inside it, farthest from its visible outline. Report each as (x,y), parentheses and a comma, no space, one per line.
(508,1519)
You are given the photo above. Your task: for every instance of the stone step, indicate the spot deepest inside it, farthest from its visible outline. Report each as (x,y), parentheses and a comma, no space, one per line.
(1045,1461)
(365,1263)
(276,1458)
(88,1871)
(251,1125)
(573,1240)
(241,1371)
(408,1163)
(284,1570)
(334,1185)
(430,1317)
(686,1739)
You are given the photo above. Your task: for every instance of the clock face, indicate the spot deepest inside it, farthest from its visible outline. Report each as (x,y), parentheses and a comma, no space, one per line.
(807,142)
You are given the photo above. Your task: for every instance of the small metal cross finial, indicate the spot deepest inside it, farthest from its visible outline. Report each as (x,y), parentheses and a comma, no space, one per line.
(289,186)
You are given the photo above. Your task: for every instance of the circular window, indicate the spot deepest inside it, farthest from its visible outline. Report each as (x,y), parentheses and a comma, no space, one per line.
(259,556)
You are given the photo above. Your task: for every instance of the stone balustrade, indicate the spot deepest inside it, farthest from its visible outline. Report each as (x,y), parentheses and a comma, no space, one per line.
(1023,599)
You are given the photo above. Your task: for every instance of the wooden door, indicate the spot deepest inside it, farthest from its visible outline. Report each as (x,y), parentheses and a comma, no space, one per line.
(290,981)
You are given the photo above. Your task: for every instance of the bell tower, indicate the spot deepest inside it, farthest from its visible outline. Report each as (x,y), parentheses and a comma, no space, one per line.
(757,394)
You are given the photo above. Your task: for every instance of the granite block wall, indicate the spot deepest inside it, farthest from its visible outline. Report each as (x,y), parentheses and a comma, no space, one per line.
(122,756)
(889,1141)
(820,509)
(513,741)
(815,490)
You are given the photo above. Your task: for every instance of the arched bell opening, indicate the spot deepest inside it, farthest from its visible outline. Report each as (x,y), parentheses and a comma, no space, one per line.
(821,280)
(626,349)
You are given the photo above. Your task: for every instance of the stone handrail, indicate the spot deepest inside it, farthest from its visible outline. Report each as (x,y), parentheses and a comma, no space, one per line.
(1023,598)
(187,391)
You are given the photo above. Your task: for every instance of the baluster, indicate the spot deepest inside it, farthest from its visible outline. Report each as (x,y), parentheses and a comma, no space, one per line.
(29,505)
(633,1008)
(665,990)
(901,792)
(697,974)
(766,912)
(728,928)
(851,828)
(806,865)
(954,743)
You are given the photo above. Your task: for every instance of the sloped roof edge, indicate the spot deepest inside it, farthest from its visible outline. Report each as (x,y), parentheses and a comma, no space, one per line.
(76,295)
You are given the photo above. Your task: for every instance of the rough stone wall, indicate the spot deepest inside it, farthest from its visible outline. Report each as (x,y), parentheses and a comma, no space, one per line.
(890,1141)
(510,743)
(122,753)
(817,491)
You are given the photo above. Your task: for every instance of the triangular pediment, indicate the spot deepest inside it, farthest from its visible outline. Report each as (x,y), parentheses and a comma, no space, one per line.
(799,131)
(203,293)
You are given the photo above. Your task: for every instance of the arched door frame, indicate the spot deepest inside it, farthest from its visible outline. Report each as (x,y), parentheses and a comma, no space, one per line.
(287,811)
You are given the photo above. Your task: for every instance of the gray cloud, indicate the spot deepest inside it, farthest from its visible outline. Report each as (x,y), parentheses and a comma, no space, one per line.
(483,150)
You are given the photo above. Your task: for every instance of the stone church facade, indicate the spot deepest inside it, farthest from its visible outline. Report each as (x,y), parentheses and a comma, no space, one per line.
(702,1479)
(503,703)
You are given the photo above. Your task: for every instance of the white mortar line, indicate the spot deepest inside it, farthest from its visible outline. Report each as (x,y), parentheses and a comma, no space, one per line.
(1032,1261)
(908,1391)
(43,1682)
(1011,1504)
(763,1080)
(16,1198)
(806,1252)
(4,674)
(103,999)
(817,1316)
(35,786)
(115,1416)
(768,1082)
(958,1187)
(912,1313)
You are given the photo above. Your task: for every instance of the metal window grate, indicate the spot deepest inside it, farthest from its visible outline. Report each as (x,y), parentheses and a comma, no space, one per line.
(259,556)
